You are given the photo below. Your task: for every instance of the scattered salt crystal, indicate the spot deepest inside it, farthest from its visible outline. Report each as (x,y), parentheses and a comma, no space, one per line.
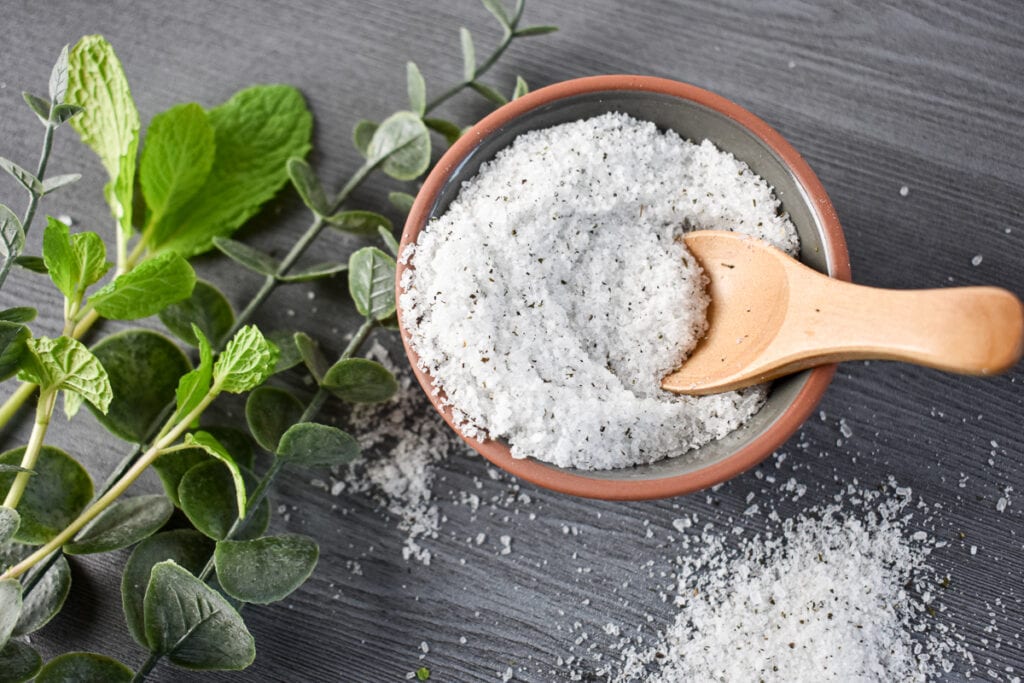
(507,675)
(506,545)
(480,538)
(976,261)
(1001,504)
(974,550)
(681,524)
(845,429)
(424,647)
(904,191)
(791,64)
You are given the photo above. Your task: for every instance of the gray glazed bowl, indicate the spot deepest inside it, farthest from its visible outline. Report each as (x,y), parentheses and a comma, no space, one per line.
(695,114)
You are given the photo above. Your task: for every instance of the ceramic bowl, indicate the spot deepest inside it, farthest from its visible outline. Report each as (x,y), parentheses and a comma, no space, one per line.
(695,114)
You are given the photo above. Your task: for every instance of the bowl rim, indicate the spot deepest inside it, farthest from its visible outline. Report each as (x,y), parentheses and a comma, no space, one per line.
(577,483)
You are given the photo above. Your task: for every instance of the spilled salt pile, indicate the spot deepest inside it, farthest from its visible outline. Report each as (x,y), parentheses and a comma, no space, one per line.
(555,293)
(840,593)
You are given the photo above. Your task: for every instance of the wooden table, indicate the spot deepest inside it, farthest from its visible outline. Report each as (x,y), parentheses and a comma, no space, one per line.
(926,95)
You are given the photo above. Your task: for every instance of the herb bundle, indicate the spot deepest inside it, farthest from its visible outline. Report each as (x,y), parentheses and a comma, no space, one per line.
(200,176)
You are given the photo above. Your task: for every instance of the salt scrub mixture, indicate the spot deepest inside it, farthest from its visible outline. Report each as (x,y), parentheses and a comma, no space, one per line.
(555,293)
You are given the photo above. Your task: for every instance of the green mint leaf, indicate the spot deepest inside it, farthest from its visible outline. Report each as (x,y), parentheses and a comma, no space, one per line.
(176,159)
(74,262)
(19,662)
(360,380)
(311,355)
(24,178)
(195,385)
(64,112)
(146,289)
(468,55)
(316,272)
(40,106)
(371,282)
(255,134)
(206,493)
(10,520)
(269,412)
(208,443)
(521,88)
(247,361)
(65,364)
(489,93)
(109,124)
(364,223)
(187,547)
(12,236)
(402,142)
(59,77)
(389,240)
(244,255)
(402,201)
(192,624)
(84,666)
(495,7)
(416,87)
(55,495)
(207,307)
(124,523)
(13,342)
(58,181)
(18,314)
(10,607)
(449,130)
(308,186)
(32,263)
(144,368)
(362,133)
(535,31)
(310,444)
(265,570)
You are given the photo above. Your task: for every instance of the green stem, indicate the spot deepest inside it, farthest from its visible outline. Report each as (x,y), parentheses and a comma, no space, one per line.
(481,70)
(146,667)
(15,401)
(47,400)
(33,202)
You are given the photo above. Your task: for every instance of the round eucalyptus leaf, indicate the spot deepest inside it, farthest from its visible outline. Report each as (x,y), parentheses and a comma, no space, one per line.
(46,598)
(290,356)
(270,412)
(207,496)
(84,667)
(207,307)
(360,380)
(124,523)
(192,624)
(18,662)
(171,467)
(59,490)
(403,141)
(12,346)
(9,521)
(10,607)
(188,548)
(310,444)
(144,368)
(265,570)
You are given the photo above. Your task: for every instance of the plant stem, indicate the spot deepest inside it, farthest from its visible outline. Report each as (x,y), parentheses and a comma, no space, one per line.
(16,400)
(147,666)
(480,71)
(44,409)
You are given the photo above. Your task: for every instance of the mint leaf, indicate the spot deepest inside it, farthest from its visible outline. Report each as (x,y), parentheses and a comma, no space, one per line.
(247,361)
(109,124)
(371,282)
(208,443)
(402,142)
(416,87)
(146,289)
(74,262)
(195,385)
(176,159)
(255,134)
(65,364)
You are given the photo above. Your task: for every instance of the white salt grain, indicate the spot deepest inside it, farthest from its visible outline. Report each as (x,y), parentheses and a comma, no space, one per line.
(904,191)
(554,294)
(976,261)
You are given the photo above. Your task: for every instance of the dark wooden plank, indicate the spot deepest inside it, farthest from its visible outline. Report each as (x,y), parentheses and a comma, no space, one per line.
(927,94)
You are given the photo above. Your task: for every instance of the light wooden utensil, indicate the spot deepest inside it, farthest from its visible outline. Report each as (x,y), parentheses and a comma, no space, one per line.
(770,315)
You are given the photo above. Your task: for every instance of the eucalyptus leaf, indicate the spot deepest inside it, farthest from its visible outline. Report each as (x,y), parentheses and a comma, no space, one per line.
(402,142)
(172,467)
(18,662)
(64,112)
(207,498)
(24,178)
(246,256)
(144,368)
(314,272)
(58,181)
(58,86)
(10,607)
(449,130)
(362,133)
(18,314)
(535,31)
(289,355)
(9,522)
(74,262)
(489,93)
(193,625)
(521,88)
(371,282)
(47,597)
(195,385)
(66,364)
(270,411)
(468,54)
(176,159)
(33,263)
(360,380)
(359,222)
(402,201)
(311,355)
(495,7)
(416,87)
(311,444)
(40,106)
(308,186)
(146,289)
(125,523)
(237,443)
(59,491)
(389,240)
(13,342)
(84,667)
(186,547)
(208,443)
(265,570)
(206,308)
(246,362)
(12,236)
(109,124)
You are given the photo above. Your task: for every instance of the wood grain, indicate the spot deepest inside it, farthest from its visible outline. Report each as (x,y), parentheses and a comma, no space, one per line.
(877,95)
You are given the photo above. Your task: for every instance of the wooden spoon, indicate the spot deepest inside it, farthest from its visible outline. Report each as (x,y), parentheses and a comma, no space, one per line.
(770,315)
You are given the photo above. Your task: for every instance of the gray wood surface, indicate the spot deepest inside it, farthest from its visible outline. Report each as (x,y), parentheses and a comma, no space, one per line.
(876,95)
